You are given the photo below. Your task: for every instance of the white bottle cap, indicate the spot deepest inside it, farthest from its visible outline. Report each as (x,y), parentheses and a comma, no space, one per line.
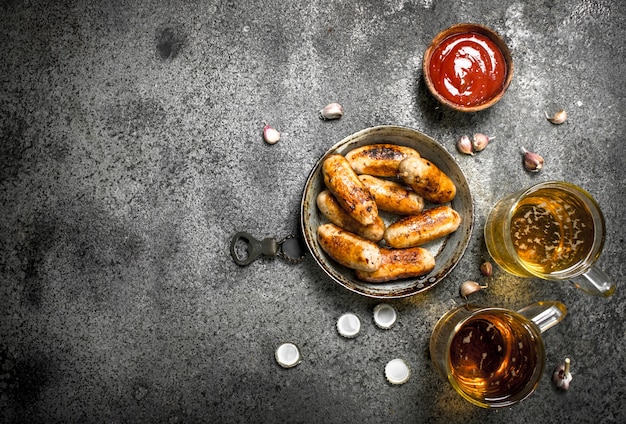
(287,355)
(349,325)
(397,371)
(385,315)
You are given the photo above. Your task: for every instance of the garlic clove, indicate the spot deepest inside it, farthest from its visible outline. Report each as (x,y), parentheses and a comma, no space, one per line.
(486,269)
(480,141)
(470,287)
(270,135)
(331,111)
(558,118)
(532,161)
(562,375)
(464,145)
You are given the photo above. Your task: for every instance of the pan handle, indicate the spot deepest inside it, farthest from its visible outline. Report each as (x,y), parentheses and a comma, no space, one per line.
(255,248)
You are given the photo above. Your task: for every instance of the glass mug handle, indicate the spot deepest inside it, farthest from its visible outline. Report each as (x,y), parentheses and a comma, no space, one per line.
(594,282)
(545,315)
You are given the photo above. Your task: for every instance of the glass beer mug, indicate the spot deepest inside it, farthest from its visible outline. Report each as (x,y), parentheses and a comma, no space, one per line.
(493,357)
(552,230)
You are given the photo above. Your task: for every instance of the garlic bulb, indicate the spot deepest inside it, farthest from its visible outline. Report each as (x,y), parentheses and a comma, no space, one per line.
(486,269)
(562,376)
(480,141)
(270,135)
(331,111)
(532,161)
(558,118)
(464,145)
(470,287)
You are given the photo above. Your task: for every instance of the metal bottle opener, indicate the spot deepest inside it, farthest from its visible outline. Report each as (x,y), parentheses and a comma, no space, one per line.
(289,248)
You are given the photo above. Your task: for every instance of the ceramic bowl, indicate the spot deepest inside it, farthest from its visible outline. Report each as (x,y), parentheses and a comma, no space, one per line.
(447,251)
(466,28)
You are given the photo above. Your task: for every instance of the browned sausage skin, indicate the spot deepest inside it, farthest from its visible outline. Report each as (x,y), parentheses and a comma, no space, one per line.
(420,229)
(427,180)
(349,249)
(393,197)
(332,210)
(400,263)
(380,160)
(349,191)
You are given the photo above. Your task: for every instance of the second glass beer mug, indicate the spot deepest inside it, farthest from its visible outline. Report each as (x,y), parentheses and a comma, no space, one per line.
(552,230)
(493,357)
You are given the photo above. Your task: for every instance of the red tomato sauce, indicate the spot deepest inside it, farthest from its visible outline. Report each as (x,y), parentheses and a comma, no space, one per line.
(468,69)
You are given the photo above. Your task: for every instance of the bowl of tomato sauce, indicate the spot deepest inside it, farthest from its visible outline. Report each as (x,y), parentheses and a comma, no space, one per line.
(468,67)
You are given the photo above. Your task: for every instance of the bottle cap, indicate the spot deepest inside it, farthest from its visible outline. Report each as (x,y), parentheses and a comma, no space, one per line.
(385,315)
(288,355)
(397,371)
(349,325)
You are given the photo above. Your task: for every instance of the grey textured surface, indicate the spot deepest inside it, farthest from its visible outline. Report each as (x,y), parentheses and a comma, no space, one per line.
(131,153)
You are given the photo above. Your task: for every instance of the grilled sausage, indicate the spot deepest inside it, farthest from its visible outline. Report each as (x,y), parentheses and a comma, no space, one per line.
(427,226)
(400,263)
(349,249)
(332,210)
(349,191)
(427,180)
(393,197)
(380,160)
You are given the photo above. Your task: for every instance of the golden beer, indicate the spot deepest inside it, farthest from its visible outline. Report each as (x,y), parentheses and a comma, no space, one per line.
(553,231)
(492,356)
